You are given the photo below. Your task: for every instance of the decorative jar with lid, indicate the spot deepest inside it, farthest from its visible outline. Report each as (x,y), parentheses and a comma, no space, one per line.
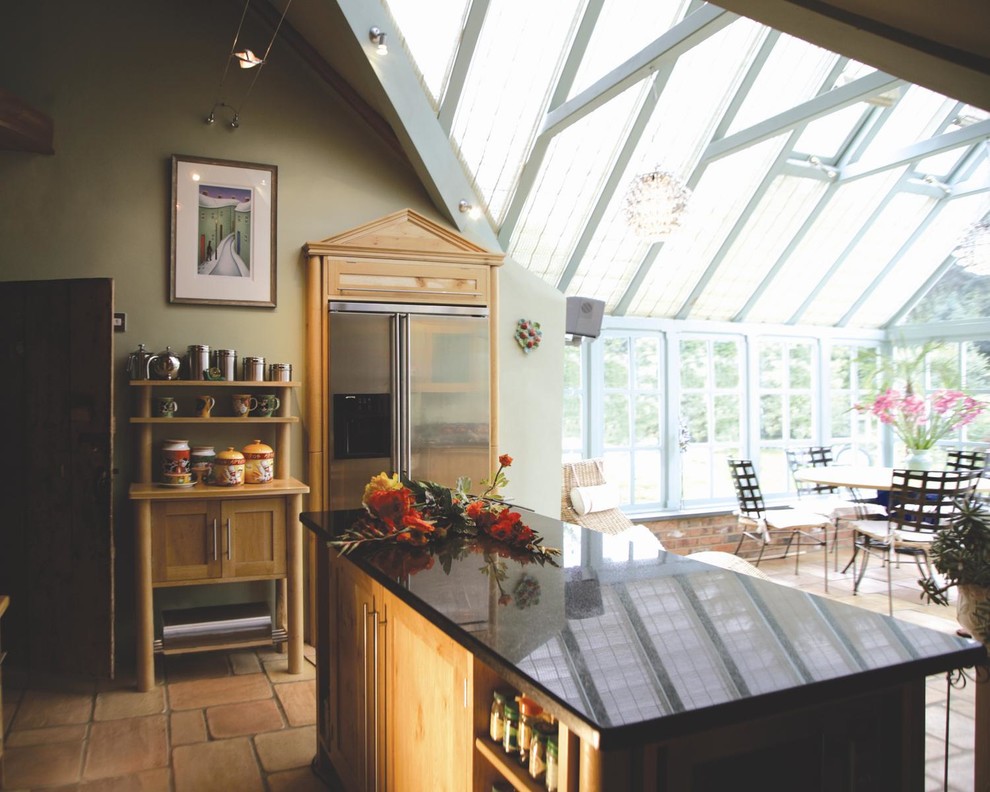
(175,457)
(228,468)
(259,465)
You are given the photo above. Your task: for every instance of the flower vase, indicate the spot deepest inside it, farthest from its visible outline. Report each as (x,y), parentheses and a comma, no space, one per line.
(919,459)
(973,610)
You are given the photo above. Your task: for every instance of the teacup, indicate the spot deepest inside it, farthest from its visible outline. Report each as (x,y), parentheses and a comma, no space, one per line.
(243,404)
(268,403)
(165,407)
(177,478)
(204,404)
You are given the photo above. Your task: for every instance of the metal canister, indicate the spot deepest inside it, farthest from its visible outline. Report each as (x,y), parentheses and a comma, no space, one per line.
(226,361)
(197,361)
(253,369)
(280,372)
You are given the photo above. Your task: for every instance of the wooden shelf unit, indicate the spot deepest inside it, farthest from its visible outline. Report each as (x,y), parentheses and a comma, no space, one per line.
(213,535)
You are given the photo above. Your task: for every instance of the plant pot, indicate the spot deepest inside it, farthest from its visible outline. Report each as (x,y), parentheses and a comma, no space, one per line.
(973,610)
(919,459)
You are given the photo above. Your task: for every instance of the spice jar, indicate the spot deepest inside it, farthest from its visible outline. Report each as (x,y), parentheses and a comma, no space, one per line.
(529,713)
(259,463)
(552,762)
(228,468)
(510,737)
(496,724)
(538,750)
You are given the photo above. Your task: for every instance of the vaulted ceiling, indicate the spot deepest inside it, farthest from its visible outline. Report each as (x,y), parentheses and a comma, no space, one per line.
(826,189)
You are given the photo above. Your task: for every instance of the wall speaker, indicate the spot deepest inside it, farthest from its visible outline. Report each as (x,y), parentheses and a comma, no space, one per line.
(584,316)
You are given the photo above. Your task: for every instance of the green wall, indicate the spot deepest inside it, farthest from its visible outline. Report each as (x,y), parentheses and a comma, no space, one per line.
(128,85)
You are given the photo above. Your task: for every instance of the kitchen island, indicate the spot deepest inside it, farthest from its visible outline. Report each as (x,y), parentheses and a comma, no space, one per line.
(661,672)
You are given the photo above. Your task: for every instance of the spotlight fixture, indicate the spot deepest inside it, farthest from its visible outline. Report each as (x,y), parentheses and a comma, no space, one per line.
(377,36)
(246,59)
(469,209)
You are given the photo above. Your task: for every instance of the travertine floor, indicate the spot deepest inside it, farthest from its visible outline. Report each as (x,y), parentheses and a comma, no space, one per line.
(231,721)
(238,721)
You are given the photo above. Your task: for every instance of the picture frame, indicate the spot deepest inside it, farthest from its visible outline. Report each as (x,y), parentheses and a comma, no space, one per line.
(223,232)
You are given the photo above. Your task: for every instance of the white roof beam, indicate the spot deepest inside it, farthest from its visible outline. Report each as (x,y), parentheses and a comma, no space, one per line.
(821,105)
(926,148)
(683,36)
(411,115)
(458,72)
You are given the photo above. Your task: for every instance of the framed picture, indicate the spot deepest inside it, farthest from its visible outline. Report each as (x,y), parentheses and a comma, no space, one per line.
(223,232)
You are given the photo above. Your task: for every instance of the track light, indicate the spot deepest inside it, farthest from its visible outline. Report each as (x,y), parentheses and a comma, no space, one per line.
(377,35)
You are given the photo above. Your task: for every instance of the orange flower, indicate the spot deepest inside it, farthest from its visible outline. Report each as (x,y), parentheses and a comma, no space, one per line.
(505,460)
(390,506)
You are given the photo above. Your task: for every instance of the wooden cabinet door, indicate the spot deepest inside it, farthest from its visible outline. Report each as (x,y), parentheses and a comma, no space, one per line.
(185,541)
(428,710)
(253,537)
(352,715)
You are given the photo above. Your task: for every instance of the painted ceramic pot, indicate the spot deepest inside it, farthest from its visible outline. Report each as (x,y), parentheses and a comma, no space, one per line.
(201,462)
(228,468)
(259,464)
(175,457)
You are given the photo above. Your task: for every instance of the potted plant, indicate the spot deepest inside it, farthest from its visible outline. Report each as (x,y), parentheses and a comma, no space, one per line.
(960,553)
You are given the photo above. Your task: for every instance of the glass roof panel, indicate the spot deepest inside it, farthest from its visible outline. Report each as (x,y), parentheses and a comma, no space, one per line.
(431,39)
(915,267)
(831,232)
(824,136)
(505,92)
(771,226)
(614,40)
(866,260)
(718,200)
(793,73)
(916,116)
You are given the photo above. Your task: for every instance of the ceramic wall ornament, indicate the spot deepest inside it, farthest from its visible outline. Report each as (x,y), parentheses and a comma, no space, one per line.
(528,335)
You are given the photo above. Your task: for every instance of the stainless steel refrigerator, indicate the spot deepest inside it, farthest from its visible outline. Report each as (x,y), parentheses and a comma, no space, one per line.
(409,393)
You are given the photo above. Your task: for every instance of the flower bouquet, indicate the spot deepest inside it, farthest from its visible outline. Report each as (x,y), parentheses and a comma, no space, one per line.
(424,513)
(921,422)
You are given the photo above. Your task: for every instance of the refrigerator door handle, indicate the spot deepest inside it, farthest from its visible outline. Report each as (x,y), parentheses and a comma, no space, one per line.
(395,377)
(405,375)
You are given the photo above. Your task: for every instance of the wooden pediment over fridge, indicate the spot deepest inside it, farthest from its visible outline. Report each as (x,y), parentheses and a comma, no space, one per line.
(404,236)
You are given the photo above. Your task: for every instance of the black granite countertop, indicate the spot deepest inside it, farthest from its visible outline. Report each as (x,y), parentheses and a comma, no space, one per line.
(624,639)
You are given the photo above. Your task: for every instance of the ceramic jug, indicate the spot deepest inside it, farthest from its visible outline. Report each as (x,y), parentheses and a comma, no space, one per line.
(165,365)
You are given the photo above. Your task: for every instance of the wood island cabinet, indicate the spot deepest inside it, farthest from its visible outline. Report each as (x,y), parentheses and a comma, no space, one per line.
(214,535)
(400,697)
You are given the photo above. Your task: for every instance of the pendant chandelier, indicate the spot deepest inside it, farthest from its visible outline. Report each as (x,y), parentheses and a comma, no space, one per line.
(655,204)
(973,252)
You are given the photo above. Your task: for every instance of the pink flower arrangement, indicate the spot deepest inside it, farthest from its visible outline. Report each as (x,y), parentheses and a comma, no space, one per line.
(920,421)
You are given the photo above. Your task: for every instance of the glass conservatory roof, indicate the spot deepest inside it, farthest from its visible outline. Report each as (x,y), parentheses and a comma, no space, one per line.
(823,192)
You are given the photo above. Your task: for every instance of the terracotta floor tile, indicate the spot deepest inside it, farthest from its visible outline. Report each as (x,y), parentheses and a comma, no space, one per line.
(200,693)
(244,662)
(217,766)
(198,665)
(187,726)
(41,708)
(42,765)
(301,779)
(248,717)
(298,699)
(156,780)
(277,670)
(128,745)
(75,732)
(116,704)
(283,750)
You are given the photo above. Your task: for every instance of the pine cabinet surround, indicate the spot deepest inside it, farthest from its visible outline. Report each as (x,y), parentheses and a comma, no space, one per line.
(210,535)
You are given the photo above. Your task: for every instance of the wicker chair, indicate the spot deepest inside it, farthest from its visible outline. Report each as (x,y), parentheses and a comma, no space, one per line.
(589,473)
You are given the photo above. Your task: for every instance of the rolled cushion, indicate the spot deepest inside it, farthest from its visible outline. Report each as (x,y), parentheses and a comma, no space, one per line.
(586,500)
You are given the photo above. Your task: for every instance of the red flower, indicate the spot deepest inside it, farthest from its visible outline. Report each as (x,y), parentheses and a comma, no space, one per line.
(390,506)
(505,460)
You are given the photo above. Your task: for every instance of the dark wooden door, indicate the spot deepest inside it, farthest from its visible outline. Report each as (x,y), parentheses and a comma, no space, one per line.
(56,529)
